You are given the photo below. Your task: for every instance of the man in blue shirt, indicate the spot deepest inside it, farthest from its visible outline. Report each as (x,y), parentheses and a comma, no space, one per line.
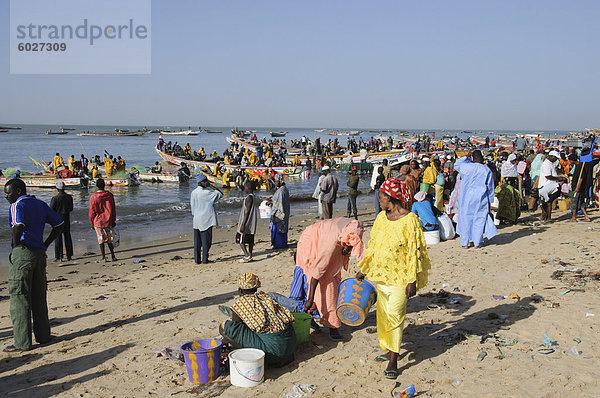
(202,204)
(27,217)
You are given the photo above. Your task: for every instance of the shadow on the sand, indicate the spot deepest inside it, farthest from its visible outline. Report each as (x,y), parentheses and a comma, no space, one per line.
(176,249)
(456,303)
(135,248)
(431,340)
(29,383)
(319,344)
(6,332)
(206,301)
(505,238)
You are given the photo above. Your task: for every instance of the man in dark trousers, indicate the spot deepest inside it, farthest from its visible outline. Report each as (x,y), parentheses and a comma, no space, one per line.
(62,204)
(27,217)
(352,193)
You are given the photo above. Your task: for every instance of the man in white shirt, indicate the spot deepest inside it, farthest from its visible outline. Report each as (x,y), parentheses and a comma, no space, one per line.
(548,185)
(202,204)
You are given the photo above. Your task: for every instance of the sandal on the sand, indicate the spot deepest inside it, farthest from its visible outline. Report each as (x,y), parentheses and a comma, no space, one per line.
(12,348)
(225,310)
(381,358)
(391,374)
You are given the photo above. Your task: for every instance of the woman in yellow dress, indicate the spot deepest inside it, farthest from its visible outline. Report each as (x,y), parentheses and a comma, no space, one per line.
(396,258)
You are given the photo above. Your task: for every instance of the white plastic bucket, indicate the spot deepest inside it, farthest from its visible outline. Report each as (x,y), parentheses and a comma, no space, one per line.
(264,210)
(247,367)
(432,237)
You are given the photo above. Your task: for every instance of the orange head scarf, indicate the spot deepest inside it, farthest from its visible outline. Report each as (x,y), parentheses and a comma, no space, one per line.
(351,235)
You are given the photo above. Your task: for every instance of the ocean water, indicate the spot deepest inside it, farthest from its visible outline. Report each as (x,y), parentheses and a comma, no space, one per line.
(150,211)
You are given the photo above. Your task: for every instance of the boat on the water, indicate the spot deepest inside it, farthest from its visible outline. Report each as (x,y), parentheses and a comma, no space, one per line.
(257,170)
(50,132)
(159,177)
(182,132)
(207,131)
(49,181)
(345,133)
(9,128)
(218,181)
(3,131)
(67,128)
(127,134)
(278,134)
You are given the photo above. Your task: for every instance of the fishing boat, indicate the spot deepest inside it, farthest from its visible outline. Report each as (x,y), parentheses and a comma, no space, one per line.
(207,131)
(257,170)
(50,132)
(218,181)
(278,134)
(345,134)
(67,128)
(252,145)
(9,128)
(127,134)
(34,181)
(159,177)
(182,132)
(3,131)
(319,130)
(49,181)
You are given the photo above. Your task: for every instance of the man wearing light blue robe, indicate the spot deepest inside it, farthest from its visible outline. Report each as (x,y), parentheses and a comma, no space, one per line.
(474,200)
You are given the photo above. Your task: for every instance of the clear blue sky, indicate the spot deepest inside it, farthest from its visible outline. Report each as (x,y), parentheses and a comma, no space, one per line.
(397,64)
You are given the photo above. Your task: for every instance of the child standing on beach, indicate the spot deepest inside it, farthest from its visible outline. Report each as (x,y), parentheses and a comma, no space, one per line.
(246,226)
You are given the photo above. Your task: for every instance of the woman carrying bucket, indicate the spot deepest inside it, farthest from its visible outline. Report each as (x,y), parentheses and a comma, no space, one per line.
(323,250)
(396,258)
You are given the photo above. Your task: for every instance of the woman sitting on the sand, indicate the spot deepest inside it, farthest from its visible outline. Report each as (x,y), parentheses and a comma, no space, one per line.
(396,258)
(258,321)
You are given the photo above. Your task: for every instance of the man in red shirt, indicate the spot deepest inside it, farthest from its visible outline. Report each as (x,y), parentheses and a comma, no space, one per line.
(103,217)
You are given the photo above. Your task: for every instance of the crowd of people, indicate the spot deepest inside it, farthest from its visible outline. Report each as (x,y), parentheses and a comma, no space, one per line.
(477,189)
(27,270)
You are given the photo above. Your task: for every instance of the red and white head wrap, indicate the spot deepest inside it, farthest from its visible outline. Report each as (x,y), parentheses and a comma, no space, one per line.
(397,189)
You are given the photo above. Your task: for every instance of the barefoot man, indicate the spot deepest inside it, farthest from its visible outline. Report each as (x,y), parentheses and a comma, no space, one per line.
(103,217)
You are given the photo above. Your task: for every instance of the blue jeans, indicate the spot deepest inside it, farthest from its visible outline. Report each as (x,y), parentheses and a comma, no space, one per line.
(202,243)
(286,302)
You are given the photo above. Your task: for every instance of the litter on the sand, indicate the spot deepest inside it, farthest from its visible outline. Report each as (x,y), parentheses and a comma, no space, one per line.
(301,390)
(171,352)
(508,344)
(139,261)
(67,263)
(455,381)
(577,340)
(589,314)
(574,351)
(546,351)
(481,355)
(548,341)
(565,292)
(102,297)
(514,296)
(497,297)
(567,269)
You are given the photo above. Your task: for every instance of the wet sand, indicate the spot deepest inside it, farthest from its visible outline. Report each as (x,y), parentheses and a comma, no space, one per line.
(109,320)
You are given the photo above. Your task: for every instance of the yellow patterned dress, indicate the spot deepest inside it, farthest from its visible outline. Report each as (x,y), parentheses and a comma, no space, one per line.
(396,255)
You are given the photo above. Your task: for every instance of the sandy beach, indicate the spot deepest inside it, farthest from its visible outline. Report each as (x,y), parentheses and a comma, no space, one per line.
(110,319)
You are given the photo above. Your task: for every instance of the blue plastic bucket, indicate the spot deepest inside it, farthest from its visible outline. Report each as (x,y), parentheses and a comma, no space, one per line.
(202,360)
(355,300)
